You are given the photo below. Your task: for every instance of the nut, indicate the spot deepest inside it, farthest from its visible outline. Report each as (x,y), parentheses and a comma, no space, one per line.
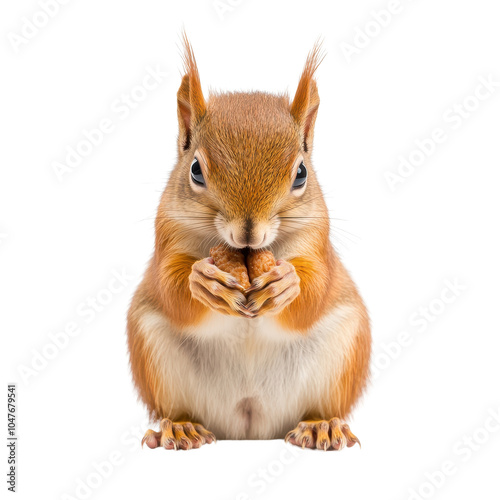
(244,270)
(231,261)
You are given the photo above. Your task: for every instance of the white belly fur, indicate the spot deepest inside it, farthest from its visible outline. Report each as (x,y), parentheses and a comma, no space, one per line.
(249,378)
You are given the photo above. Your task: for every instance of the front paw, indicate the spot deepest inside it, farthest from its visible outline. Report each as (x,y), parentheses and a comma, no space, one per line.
(275,290)
(217,290)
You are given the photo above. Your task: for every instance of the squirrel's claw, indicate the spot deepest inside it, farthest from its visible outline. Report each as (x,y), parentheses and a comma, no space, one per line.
(281,269)
(151,438)
(178,436)
(274,290)
(217,290)
(324,435)
(212,272)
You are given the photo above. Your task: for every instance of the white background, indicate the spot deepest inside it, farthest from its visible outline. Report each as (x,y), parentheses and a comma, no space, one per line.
(62,240)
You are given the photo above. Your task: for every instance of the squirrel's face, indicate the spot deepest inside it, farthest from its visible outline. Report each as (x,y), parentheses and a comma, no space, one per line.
(247,165)
(244,159)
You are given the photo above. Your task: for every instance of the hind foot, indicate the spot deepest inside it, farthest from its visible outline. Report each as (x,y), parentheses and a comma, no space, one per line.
(178,436)
(325,435)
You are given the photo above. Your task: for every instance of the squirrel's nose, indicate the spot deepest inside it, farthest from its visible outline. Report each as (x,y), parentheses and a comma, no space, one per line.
(240,239)
(243,240)
(247,235)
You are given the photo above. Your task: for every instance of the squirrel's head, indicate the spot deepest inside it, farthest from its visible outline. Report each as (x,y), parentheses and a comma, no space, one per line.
(245,159)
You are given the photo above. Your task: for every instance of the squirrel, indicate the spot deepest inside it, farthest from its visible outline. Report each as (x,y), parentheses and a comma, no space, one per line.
(287,357)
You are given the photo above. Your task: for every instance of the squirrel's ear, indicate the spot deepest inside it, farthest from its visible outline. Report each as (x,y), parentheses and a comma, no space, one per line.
(305,104)
(191,106)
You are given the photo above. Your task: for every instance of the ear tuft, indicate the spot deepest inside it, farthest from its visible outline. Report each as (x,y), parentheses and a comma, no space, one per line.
(305,104)
(191,106)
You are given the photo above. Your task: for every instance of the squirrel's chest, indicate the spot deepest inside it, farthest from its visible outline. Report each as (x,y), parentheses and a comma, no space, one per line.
(232,330)
(246,372)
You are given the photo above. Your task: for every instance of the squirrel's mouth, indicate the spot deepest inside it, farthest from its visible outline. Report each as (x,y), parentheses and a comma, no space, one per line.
(246,250)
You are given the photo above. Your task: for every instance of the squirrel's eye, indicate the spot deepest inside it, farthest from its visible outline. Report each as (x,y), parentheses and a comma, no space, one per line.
(196,173)
(301,177)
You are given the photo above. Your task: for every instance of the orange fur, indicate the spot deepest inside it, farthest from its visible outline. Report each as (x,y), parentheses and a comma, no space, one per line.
(168,277)
(173,293)
(191,106)
(306,101)
(348,389)
(310,305)
(145,375)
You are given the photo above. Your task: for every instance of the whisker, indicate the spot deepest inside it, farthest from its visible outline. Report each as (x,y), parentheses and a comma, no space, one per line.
(310,217)
(346,232)
(197,201)
(185,218)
